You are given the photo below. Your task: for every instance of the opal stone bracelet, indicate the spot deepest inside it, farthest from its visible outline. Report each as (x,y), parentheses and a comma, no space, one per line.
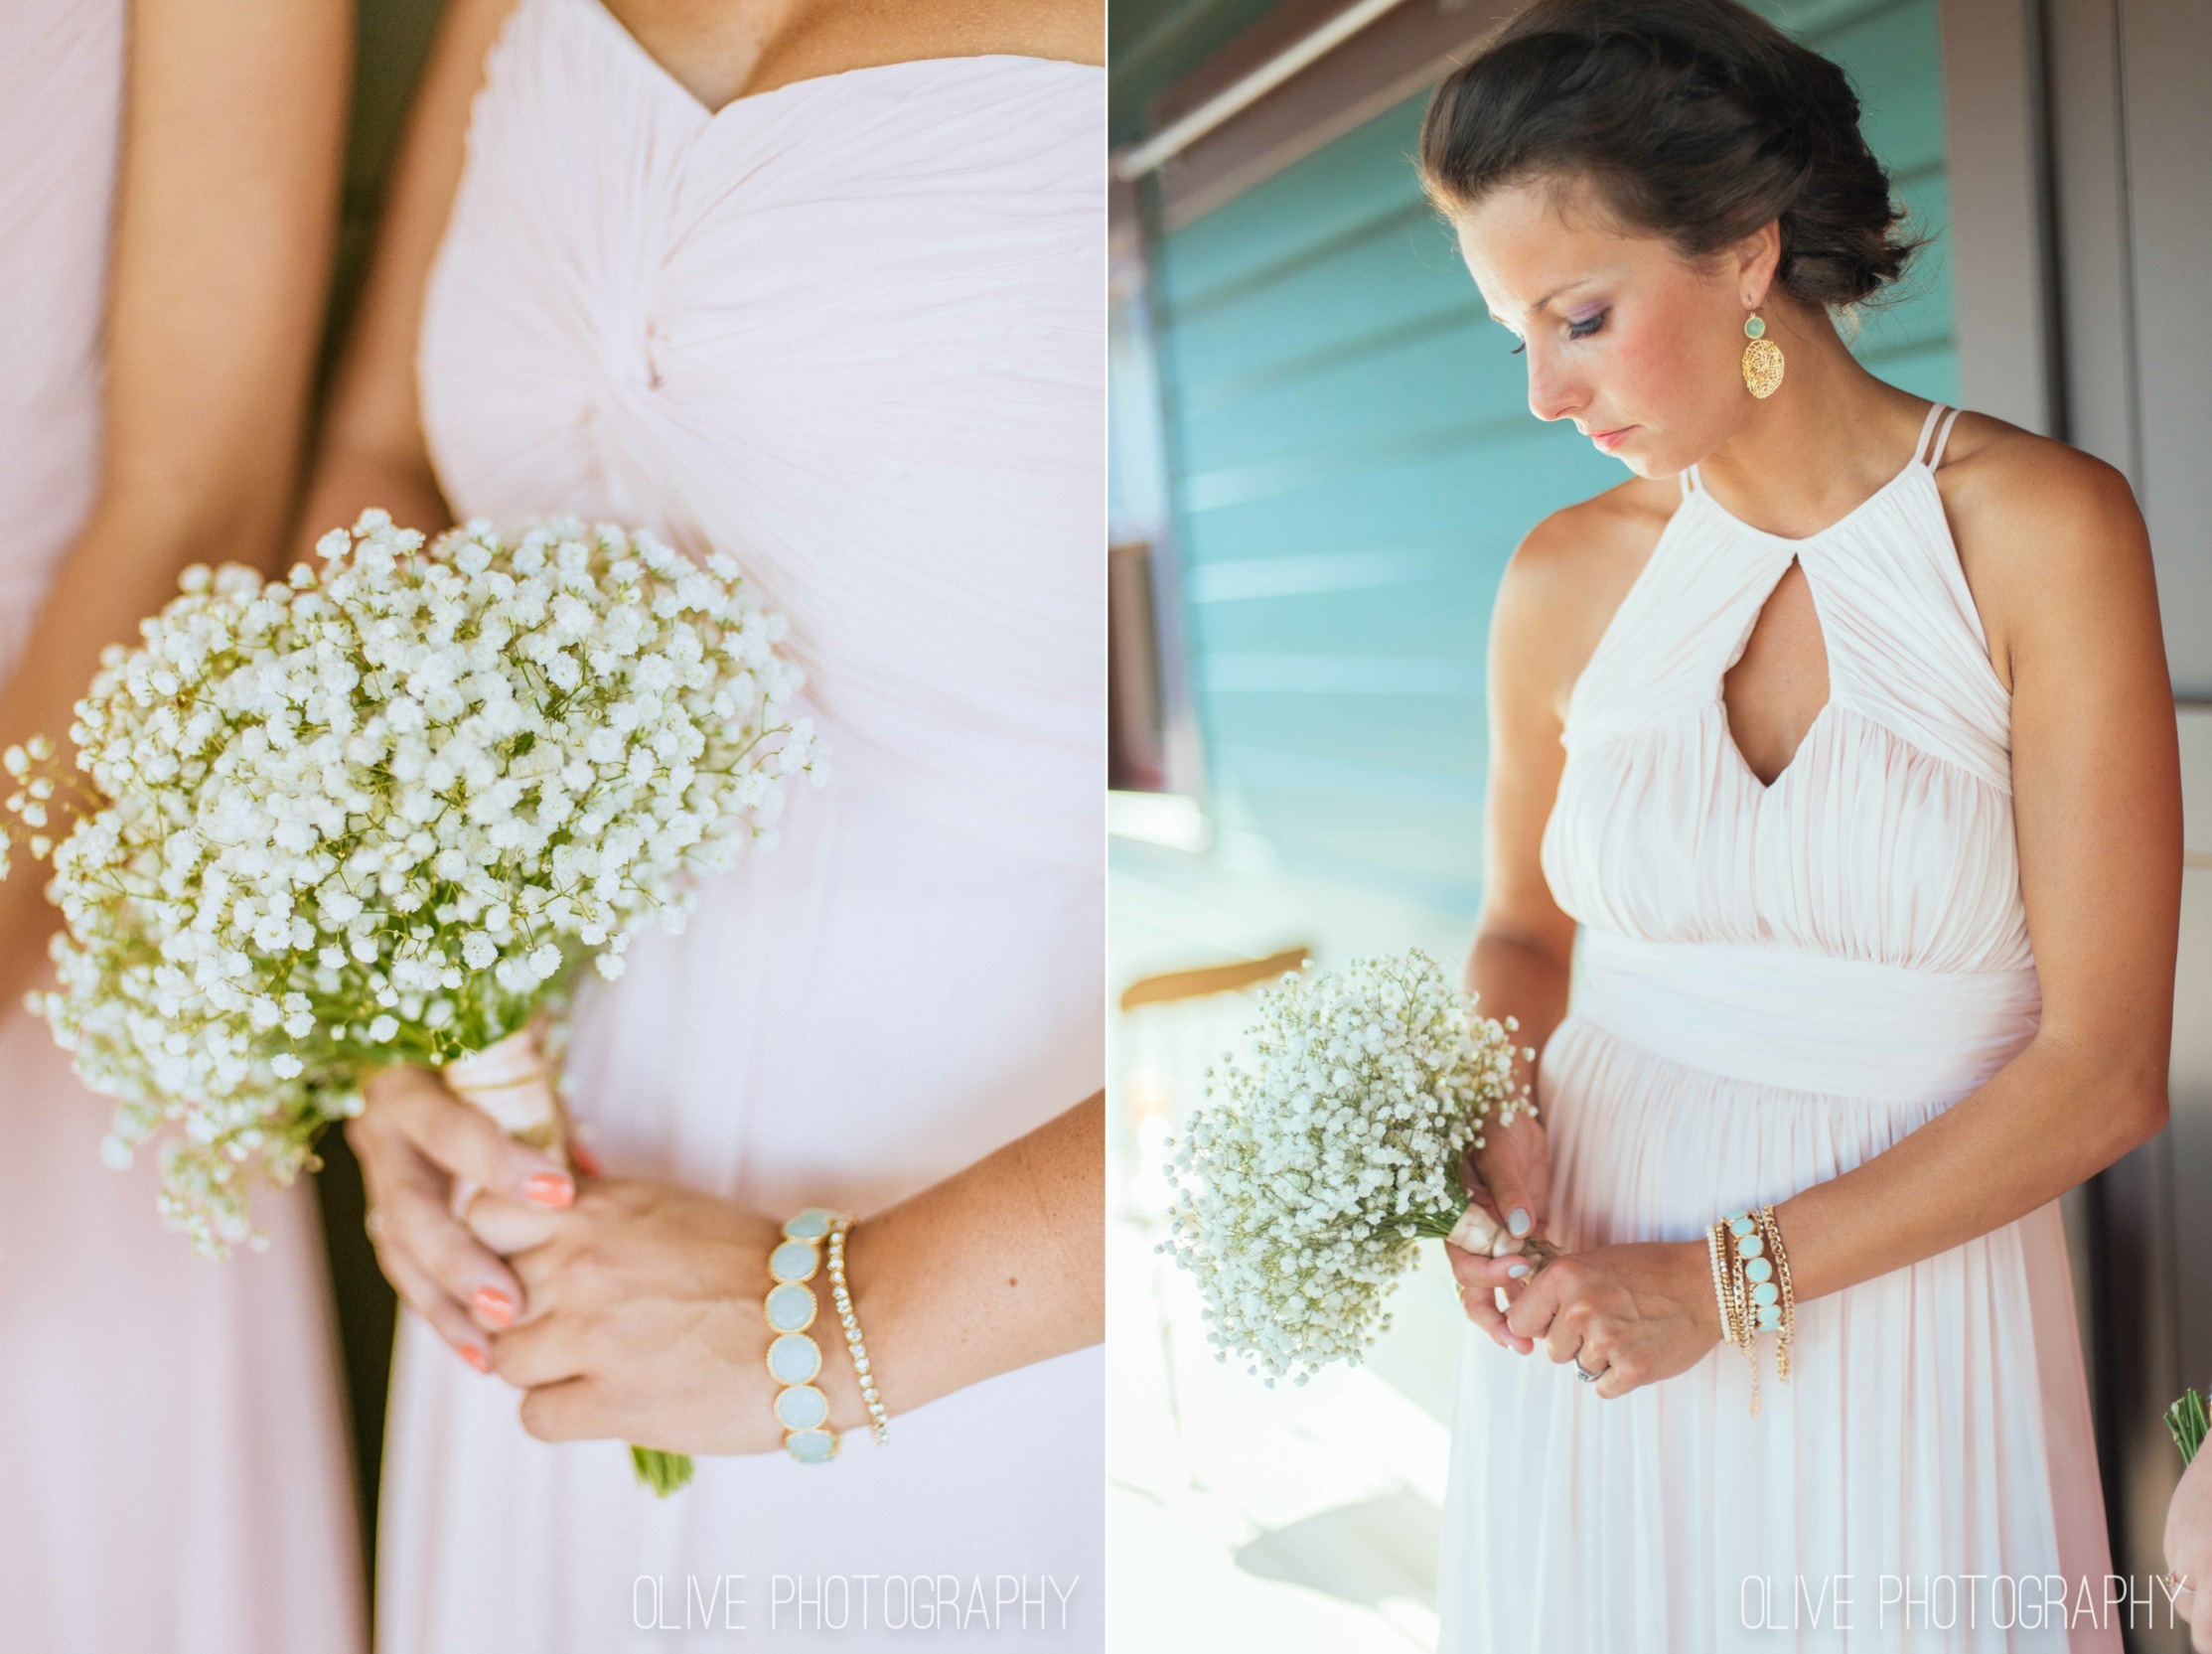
(794,1358)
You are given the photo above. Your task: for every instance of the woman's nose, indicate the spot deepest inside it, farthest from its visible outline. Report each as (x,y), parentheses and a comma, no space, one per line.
(1552,394)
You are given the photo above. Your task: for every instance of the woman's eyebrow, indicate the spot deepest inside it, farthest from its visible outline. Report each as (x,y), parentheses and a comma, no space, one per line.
(1548,298)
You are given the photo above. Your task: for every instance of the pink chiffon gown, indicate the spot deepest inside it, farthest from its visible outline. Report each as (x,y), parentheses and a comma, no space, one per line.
(1775,983)
(850,332)
(174,1472)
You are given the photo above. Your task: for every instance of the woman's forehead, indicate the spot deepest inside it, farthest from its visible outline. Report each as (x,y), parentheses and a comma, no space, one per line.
(1530,248)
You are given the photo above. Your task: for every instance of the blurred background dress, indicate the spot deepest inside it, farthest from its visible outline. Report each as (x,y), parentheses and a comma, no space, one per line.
(173,1472)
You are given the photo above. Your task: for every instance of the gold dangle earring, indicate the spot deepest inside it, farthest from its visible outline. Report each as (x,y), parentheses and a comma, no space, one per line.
(1762,359)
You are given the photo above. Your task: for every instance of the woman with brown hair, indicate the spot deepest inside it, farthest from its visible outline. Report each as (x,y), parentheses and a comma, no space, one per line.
(1835,747)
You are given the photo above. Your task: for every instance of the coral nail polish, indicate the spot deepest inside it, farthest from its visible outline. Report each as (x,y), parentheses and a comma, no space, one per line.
(493,1305)
(475,1358)
(549,1188)
(586,1162)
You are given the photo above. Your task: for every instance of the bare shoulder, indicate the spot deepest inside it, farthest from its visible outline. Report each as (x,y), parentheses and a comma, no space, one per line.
(1568,575)
(1996,476)
(2041,529)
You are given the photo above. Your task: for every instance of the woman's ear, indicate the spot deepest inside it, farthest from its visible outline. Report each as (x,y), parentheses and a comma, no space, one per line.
(1756,257)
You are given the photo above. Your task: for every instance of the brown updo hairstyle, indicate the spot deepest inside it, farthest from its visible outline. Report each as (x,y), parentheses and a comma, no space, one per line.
(1694,119)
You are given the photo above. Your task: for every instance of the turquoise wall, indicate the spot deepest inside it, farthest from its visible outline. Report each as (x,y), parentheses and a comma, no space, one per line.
(1353,459)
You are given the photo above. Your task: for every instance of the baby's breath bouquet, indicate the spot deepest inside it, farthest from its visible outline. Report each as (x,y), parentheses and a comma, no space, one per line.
(1302,1192)
(381,812)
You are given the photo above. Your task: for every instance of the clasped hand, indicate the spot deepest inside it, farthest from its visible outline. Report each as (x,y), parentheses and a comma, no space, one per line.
(626,1308)
(1633,1313)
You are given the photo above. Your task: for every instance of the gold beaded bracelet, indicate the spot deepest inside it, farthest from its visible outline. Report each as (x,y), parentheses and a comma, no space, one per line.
(1785,1317)
(1716,1249)
(879,1422)
(1751,1281)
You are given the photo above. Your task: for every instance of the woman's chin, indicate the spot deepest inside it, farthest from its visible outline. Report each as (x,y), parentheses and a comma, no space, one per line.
(1643,458)
(1631,446)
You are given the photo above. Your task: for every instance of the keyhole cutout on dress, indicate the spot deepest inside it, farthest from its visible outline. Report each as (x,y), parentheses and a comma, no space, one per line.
(1779,683)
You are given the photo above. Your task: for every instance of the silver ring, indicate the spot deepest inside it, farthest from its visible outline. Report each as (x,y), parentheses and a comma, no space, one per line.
(1584,1374)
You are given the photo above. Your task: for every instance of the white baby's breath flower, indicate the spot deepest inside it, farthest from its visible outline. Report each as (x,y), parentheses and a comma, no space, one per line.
(376,811)
(1302,1190)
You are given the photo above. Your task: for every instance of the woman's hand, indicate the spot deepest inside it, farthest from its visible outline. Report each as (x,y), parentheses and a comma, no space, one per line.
(1480,1280)
(644,1324)
(1634,1313)
(1510,1177)
(2189,1548)
(413,1139)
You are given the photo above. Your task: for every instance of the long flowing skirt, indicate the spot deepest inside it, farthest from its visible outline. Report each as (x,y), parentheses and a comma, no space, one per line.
(174,1472)
(1926,1479)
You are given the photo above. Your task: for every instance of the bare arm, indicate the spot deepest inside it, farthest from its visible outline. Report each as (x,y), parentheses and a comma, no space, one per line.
(2097,804)
(1562,584)
(372,450)
(998,1266)
(1524,943)
(226,204)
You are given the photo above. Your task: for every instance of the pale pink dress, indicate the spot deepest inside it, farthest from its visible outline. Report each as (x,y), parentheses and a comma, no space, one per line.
(1775,984)
(853,333)
(174,1473)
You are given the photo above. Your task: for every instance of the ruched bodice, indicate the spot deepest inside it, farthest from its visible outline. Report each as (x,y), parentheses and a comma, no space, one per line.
(1888,838)
(1773,985)
(811,330)
(850,332)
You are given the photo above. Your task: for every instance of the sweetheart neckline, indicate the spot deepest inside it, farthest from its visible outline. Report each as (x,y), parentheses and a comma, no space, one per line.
(660,72)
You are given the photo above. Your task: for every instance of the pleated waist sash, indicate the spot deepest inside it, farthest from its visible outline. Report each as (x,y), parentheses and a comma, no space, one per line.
(1807,1021)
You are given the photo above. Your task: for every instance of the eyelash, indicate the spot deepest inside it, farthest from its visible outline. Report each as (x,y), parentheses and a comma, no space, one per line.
(1592,322)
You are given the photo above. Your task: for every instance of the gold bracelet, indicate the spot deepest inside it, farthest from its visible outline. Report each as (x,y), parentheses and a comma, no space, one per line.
(1782,1302)
(878,1421)
(1716,1249)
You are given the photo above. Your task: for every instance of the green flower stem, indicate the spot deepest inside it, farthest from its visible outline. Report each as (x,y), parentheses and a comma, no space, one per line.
(2186,1420)
(663,1472)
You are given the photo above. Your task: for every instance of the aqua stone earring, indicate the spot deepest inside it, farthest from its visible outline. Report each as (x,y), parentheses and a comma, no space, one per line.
(1762,359)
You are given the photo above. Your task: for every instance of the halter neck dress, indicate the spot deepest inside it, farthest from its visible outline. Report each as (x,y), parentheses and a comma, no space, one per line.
(174,1474)
(1772,983)
(850,332)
